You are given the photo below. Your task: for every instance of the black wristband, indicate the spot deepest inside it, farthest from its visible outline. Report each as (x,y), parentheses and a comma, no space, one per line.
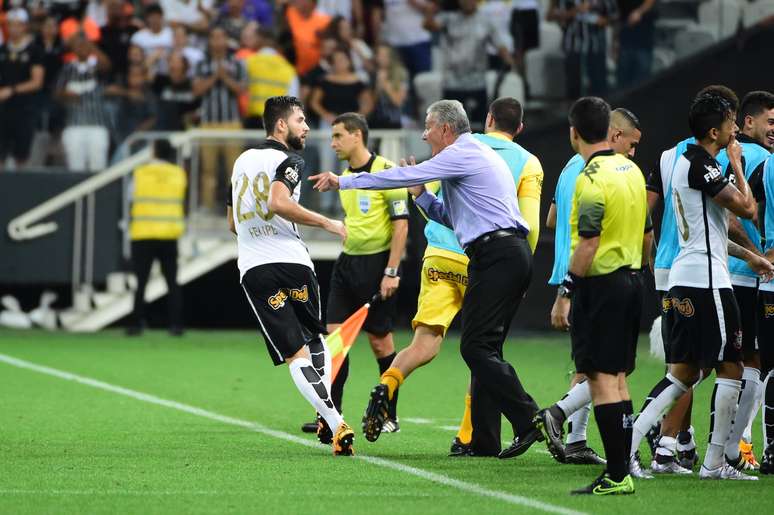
(570,282)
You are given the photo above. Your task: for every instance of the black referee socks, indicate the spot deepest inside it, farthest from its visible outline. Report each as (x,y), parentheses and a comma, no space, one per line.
(610,422)
(628,425)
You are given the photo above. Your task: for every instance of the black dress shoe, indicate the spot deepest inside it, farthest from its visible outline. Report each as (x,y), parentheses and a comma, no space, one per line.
(520,444)
(458,448)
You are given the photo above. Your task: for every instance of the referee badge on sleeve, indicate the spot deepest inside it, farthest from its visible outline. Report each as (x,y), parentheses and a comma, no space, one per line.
(364,202)
(399,207)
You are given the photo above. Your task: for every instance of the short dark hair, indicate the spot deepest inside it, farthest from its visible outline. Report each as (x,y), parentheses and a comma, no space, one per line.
(507,114)
(721,91)
(629,117)
(591,118)
(154,9)
(708,112)
(353,122)
(277,108)
(754,103)
(163,149)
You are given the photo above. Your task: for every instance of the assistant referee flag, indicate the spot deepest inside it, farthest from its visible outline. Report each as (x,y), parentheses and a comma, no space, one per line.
(341,340)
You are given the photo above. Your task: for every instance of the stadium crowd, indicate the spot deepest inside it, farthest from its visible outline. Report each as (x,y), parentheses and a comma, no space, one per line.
(90,73)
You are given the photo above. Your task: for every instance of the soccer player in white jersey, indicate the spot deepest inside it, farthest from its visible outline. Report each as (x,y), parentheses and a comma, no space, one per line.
(703,324)
(276,271)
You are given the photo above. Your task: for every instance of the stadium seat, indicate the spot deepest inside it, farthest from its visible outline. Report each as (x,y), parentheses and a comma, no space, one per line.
(663,58)
(511,85)
(693,39)
(428,88)
(545,73)
(720,16)
(550,37)
(754,12)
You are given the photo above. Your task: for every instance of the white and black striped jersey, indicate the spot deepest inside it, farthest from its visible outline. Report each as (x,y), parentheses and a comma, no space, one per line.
(262,236)
(702,226)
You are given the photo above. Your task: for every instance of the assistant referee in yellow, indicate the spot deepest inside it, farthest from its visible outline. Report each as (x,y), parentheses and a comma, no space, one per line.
(609,226)
(377,226)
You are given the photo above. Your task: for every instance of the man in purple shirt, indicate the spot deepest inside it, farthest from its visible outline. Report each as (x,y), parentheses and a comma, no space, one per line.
(480,206)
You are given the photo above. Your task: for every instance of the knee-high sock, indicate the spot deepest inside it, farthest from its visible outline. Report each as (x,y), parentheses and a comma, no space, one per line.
(628,425)
(312,387)
(384,365)
(321,359)
(577,397)
(725,398)
(768,409)
(610,422)
(577,424)
(747,434)
(751,383)
(667,391)
(465,433)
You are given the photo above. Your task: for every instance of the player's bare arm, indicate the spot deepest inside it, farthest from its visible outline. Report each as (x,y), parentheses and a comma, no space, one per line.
(390,284)
(579,266)
(738,235)
(551,218)
(759,264)
(282,204)
(230,218)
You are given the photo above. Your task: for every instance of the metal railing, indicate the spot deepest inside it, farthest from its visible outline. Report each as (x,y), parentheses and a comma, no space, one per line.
(201,221)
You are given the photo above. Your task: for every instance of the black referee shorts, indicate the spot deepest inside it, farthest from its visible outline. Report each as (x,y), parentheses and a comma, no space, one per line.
(704,326)
(765,313)
(605,322)
(354,281)
(285,298)
(747,300)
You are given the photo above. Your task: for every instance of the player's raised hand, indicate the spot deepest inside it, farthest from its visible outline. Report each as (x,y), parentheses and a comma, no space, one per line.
(734,151)
(560,314)
(325,181)
(336,227)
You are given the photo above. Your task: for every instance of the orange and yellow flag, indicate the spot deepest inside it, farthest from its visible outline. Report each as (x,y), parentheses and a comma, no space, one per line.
(342,339)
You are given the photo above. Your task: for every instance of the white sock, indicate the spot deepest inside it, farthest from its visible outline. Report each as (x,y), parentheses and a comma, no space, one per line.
(751,384)
(747,435)
(577,423)
(667,446)
(311,386)
(768,410)
(321,359)
(725,398)
(578,396)
(667,392)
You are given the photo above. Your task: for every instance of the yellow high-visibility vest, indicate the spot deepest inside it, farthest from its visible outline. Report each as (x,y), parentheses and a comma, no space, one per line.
(157,203)
(268,75)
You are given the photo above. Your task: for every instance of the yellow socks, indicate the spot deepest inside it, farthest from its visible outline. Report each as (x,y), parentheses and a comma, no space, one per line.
(393,378)
(465,434)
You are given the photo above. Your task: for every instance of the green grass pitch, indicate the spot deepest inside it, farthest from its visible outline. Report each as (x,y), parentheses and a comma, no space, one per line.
(69,447)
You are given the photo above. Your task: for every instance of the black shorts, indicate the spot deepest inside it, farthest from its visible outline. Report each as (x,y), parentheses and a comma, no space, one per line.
(605,322)
(354,281)
(16,131)
(663,298)
(747,300)
(285,298)
(765,314)
(704,326)
(525,29)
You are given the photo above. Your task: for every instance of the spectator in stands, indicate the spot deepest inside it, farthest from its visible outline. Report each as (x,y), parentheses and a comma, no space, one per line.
(219,80)
(259,11)
(269,74)
(157,222)
(584,23)
(156,39)
(194,15)
(465,34)
(403,29)
(340,91)
(312,79)
(21,77)
(390,90)
(85,138)
(525,30)
(636,33)
(136,109)
(181,44)
(233,21)
(52,117)
(306,25)
(78,22)
(116,36)
(177,105)
(360,53)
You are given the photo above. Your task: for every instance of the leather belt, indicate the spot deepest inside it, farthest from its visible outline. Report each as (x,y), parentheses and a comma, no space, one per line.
(482,240)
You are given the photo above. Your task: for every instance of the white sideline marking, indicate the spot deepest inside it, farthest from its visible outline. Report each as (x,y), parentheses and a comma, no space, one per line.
(162,493)
(281,435)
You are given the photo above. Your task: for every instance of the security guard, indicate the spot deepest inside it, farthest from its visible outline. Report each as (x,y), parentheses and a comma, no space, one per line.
(609,225)
(157,223)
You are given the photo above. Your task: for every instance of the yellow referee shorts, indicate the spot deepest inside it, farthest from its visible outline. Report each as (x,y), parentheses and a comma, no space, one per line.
(441,291)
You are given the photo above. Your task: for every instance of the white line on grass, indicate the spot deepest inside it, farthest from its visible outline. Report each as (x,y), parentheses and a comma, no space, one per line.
(421,473)
(162,493)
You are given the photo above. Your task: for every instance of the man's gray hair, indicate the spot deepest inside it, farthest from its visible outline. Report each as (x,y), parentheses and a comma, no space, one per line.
(451,112)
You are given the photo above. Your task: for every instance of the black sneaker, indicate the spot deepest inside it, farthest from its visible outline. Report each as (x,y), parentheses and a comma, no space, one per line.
(309,427)
(520,444)
(579,453)
(391,425)
(686,459)
(324,433)
(458,448)
(603,485)
(767,461)
(551,429)
(376,412)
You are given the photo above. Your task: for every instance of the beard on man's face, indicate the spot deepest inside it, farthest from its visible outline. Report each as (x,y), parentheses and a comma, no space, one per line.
(295,141)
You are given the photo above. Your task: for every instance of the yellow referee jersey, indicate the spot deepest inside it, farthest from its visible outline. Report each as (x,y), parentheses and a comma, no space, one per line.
(368,214)
(610,202)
